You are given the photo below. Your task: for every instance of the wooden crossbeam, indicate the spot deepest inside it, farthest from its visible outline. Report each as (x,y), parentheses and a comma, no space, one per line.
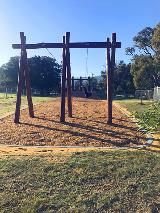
(70,45)
(78,79)
(39,45)
(93,45)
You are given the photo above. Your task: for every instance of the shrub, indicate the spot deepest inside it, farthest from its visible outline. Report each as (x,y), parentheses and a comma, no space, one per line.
(150,118)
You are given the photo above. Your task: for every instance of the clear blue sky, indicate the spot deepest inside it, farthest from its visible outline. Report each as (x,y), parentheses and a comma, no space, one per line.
(87,20)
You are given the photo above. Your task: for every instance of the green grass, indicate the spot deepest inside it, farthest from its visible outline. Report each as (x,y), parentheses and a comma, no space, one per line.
(104,181)
(147,113)
(7,105)
(134,105)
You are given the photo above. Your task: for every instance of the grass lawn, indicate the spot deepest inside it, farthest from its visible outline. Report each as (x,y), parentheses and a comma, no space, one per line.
(92,181)
(7,105)
(134,105)
(147,113)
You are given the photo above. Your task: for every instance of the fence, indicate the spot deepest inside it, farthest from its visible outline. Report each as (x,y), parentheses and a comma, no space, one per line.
(156,93)
(144,94)
(35,92)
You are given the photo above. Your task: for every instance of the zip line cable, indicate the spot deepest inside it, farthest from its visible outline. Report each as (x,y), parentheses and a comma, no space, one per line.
(49,52)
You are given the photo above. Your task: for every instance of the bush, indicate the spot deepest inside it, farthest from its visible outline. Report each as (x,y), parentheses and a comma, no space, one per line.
(150,118)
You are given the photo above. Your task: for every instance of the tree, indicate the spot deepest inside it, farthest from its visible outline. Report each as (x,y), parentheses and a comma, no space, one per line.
(123,81)
(145,75)
(45,73)
(145,66)
(8,72)
(142,43)
(156,42)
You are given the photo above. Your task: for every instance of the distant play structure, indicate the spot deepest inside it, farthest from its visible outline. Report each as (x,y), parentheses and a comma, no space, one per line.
(86,89)
(81,83)
(23,74)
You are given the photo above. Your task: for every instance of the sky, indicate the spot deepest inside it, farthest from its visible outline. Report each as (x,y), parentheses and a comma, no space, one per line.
(86,20)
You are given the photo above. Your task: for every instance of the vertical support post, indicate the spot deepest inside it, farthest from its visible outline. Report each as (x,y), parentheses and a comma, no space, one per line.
(19,88)
(109,86)
(72,83)
(110,77)
(68,67)
(113,52)
(89,84)
(63,83)
(80,82)
(27,77)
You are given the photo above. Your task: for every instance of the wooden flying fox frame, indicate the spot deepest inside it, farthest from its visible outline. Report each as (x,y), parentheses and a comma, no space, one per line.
(23,75)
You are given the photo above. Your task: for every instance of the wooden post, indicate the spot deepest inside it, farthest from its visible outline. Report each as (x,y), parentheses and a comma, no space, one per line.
(109,86)
(63,83)
(72,83)
(80,82)
(27,77)
(19,87)
(68,67)
(110,78)
(113,52)
(89,84)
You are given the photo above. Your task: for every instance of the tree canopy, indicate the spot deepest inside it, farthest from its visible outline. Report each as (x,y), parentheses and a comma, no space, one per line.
(145,53)
(156,42)
(8,72)
(45,73)
(123,81)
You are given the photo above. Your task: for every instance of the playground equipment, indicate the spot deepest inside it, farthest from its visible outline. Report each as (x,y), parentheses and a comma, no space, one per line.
(81,83)
(66,70)
(87,93)
(82,90)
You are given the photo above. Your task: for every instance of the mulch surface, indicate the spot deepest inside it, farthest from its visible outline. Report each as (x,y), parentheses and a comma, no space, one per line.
(88,127)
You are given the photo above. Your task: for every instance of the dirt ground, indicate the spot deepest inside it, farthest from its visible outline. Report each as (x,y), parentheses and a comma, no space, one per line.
(88,126)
